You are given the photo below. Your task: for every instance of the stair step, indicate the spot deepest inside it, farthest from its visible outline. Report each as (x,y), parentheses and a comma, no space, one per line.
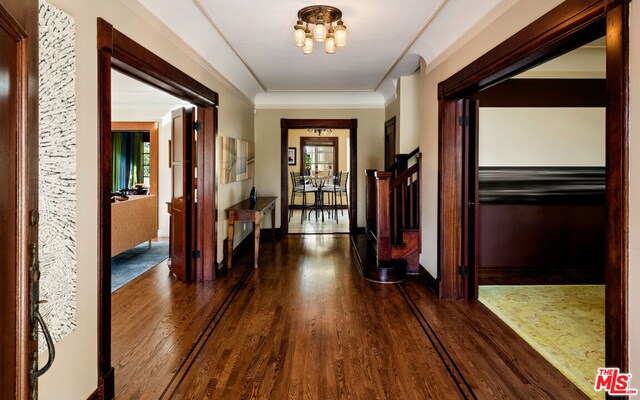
(372,268)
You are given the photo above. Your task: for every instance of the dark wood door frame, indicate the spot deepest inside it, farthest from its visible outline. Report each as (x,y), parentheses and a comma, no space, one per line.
(19,158)
(285,125)
(389,137)
(566,27)
(117,51)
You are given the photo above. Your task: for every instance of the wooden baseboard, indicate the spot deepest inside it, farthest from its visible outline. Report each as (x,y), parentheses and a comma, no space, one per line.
(265,234)
(106,387)
(430,280)
(360,230)
(537,275)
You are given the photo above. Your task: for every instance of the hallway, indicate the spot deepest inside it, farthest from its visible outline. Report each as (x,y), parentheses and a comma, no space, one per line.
(306,325)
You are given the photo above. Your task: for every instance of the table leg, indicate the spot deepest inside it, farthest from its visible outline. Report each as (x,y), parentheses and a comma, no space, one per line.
(230,245)
(273,224)
(256,234)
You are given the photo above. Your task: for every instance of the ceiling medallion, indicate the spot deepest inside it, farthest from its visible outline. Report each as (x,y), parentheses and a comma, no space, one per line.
(324,30)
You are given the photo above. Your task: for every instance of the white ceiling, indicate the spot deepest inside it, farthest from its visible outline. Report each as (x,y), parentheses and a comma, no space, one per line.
(250,42)
(131,95)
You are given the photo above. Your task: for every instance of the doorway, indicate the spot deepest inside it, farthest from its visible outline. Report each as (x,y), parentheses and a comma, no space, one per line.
(117,51)
(316,155)
(575,25)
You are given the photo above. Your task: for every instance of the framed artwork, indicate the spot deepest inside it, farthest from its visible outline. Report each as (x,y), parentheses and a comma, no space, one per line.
(291,156)
(235,160)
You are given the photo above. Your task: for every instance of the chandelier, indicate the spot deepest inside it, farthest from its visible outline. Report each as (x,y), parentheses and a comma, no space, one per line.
(322,18)
(320,131)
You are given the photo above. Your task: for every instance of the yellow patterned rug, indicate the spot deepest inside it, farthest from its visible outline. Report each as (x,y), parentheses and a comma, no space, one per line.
(564,323)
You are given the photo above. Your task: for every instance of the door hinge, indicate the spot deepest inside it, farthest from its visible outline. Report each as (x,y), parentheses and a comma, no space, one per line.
(197,126)
(196,254)
(463,121)
(463,270)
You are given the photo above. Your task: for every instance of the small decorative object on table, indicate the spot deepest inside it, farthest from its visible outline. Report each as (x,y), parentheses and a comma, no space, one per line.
(253,196)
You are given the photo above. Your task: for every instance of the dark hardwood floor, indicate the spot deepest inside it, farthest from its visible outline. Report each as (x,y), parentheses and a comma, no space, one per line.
(307,325)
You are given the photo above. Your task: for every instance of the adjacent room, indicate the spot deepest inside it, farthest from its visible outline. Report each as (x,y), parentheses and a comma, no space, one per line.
(541,214)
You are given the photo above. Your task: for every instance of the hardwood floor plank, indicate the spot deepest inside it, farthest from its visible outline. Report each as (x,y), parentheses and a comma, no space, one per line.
(156,322)
(306,325)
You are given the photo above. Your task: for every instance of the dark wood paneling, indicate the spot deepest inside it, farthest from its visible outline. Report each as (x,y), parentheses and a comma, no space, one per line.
(546,237)
(122,53)
(541,275)
(285,125)
(544,93)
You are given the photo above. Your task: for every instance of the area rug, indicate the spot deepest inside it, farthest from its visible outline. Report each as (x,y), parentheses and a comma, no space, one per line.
(564,323)
(127,266)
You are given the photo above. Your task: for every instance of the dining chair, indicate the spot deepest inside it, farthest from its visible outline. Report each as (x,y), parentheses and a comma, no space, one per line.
(335,188)
(300,187)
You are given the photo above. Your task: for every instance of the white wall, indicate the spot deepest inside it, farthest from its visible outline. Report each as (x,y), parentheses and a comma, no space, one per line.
(74,374)
(267,127)
(544,137)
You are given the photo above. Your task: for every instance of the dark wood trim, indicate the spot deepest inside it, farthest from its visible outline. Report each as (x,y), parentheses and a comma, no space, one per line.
(313,141)
(152,128)
(352,125)
(544,93)
(617,161)
(432,283)
(116,50)
(541,275)
(389,135)
(566,27)
(96,395)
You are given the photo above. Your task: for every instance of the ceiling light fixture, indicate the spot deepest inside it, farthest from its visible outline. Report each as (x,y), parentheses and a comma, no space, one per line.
(321,131)
(323,18)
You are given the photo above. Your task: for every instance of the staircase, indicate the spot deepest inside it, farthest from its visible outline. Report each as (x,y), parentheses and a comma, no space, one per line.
(392,243)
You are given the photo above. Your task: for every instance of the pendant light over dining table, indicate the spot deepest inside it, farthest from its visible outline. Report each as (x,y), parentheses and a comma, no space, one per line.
(327,28)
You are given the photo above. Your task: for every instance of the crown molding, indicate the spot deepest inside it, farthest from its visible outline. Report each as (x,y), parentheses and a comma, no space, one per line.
(168,34)
(319,99)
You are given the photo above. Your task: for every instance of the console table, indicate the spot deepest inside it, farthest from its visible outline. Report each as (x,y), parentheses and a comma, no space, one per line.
(245,211)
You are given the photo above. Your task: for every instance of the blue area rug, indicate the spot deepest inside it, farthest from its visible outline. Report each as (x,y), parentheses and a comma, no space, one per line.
(127,266)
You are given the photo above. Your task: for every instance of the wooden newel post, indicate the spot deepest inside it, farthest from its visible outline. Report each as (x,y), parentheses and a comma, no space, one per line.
(384,215)
(371,203)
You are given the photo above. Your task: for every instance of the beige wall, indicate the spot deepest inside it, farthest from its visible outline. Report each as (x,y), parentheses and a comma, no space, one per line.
(634,194)
(408,138)
(543,137)
(294,141)
(74,374)
(267,128)
(461,54)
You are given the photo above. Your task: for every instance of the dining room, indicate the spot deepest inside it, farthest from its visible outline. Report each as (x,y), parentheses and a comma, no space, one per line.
(318,170)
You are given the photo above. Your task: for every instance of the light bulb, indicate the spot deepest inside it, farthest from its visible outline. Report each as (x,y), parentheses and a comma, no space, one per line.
(320,33)
(341,34)
(299,34)
(330,43)
(308,45)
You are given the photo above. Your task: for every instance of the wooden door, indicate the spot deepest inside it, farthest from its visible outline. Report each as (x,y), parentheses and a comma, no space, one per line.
(182,189)
(389,143)
(19,194)
(468,112)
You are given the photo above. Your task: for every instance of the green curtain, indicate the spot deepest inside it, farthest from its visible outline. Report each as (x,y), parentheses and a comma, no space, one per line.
(127,168)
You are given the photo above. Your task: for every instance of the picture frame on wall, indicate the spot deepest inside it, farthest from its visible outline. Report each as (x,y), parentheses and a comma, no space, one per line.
(291,156)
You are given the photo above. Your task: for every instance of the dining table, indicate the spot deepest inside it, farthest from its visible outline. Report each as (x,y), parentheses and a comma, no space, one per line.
(318,181)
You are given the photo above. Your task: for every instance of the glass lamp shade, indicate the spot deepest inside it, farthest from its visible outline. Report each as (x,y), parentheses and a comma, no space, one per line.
(308,45)
(341,35)
(299,35)
(320,33)
(330,45)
